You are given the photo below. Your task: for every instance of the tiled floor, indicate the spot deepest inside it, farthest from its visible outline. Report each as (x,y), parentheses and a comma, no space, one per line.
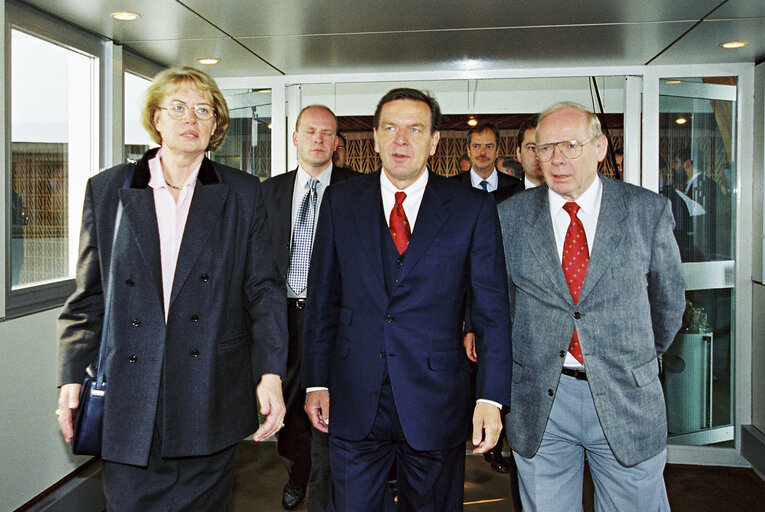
(260,477)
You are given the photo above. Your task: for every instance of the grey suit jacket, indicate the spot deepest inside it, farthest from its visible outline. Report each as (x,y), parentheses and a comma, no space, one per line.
(628,313)
(194,376)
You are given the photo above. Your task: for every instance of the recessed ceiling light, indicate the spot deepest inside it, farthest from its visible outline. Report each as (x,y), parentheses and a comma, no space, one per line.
(681,120)
(208,61)
(732,45)
(673,82)
(125,16)
(472,121)
(270,126)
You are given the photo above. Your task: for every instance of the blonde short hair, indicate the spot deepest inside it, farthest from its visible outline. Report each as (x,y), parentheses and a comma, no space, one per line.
(593,123)
(169,80)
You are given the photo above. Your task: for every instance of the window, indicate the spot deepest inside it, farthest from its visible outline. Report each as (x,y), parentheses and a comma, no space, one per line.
(53,143)
(137,141)
(248,144)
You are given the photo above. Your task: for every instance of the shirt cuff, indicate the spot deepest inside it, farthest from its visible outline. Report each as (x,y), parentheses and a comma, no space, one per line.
(484,400)
(308,390)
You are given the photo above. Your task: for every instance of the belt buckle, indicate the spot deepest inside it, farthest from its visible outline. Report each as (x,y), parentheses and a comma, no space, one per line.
(299,303)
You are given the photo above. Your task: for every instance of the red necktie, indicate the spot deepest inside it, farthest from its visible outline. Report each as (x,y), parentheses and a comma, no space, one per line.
(399,226)
(576,256)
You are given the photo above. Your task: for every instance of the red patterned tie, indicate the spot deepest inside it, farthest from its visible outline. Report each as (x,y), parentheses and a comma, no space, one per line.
(576,256)
(399,226)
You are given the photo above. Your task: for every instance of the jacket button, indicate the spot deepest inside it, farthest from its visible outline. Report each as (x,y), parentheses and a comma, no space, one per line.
(132,358)
(563,353)
(204,278)
(550,392)
(136,323)
(194,353)
(130,282)
(577,315)
(194,318)
(388,318)
(382,354)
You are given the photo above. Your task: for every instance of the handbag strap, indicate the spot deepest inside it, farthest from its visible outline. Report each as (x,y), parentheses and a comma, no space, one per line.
(110,287)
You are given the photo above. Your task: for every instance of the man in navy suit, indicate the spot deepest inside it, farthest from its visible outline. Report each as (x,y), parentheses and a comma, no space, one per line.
(394,255)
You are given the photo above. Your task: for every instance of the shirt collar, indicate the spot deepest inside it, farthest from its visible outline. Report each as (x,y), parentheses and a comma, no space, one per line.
(587,201)
(387,185)
(157,177)
(303,177)
(476,179)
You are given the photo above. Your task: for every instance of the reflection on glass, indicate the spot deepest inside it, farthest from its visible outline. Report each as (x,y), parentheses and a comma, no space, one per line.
(53,153)
(248,143)
(697,173)
(137,141)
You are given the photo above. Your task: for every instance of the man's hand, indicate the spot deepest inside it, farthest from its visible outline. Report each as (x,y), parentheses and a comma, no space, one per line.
(269,393)
(317,408)
(469,341)
(68,399)
(487,425)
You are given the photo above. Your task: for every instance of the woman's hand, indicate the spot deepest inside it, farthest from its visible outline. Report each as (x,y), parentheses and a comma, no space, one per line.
(68,399)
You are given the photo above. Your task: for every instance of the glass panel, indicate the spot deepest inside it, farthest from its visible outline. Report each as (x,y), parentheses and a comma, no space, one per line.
(248,144)
(53,151)
(137,141)
(697,140)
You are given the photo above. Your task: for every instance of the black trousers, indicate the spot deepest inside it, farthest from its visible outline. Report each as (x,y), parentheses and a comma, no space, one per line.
(303,448)
(182,484)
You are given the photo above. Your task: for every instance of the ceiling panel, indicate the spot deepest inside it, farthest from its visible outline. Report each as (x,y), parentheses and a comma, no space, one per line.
(703,43)
(740,9)
(475,50)
(291,17)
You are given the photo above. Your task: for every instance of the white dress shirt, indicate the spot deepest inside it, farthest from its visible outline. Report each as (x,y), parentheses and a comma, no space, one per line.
(476,180)
(527,184)
(171,220)
(414,193)
(302,179)
(589,210)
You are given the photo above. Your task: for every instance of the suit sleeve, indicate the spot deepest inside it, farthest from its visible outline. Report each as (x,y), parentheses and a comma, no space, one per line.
(666,286)
(322,300)
(490,311)
(265,298)
(80,321)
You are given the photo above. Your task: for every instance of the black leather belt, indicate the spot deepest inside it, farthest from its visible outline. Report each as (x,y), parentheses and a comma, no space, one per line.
(297,303)
(577,374)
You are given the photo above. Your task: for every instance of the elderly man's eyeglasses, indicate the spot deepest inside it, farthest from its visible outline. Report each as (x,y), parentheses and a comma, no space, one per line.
(179,110)
(568,148)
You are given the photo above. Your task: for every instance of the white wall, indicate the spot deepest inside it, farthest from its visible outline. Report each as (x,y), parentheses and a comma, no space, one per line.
(33,455)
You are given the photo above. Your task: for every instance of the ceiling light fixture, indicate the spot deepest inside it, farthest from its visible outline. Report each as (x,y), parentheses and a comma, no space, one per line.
(681,120)
(673,82)
(270,126)
(125,16)
(208,61)
(732,45)
(472,121)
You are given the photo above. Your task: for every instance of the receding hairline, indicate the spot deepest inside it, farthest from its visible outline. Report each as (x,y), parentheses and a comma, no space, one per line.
(320,107)
(592,123)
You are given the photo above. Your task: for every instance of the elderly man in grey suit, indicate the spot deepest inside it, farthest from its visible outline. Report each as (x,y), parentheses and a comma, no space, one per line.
(596,295)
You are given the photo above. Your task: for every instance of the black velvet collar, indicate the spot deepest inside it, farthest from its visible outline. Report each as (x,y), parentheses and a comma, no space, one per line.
(142,175)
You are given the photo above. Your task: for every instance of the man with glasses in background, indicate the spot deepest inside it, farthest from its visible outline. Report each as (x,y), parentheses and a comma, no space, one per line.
(596,294)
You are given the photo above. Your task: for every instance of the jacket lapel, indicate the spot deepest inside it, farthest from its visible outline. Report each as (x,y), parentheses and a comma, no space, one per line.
(138,213)
(282,237)
(366,212)
(608,235)
(431,216)
(542,241)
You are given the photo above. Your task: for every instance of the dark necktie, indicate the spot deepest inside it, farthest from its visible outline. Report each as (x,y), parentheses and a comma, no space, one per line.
(302,240)
(399,225)
(576,256)
(485,185)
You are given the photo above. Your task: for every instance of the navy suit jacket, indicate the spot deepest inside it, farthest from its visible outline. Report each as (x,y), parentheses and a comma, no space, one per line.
(226,325)
(354,328)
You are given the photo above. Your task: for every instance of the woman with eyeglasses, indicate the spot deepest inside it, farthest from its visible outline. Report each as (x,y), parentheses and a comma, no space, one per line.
(197,324)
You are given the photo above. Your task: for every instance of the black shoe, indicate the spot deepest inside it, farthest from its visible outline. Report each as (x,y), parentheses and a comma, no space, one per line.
(292,496)
(498,462)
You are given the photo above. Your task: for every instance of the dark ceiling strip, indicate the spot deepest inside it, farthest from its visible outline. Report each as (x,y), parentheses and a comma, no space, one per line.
(685,33)
(232,38)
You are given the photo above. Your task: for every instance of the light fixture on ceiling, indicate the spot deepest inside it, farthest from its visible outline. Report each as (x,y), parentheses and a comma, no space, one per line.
(208,61)
(270,126)
(733,45)
(125,16)
(681,120)
(673,82)
(472,121)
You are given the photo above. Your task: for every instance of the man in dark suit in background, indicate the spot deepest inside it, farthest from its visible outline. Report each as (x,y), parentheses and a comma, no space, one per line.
(482,147)
(596,294)
(395,252)
(292,201)
(526,155)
